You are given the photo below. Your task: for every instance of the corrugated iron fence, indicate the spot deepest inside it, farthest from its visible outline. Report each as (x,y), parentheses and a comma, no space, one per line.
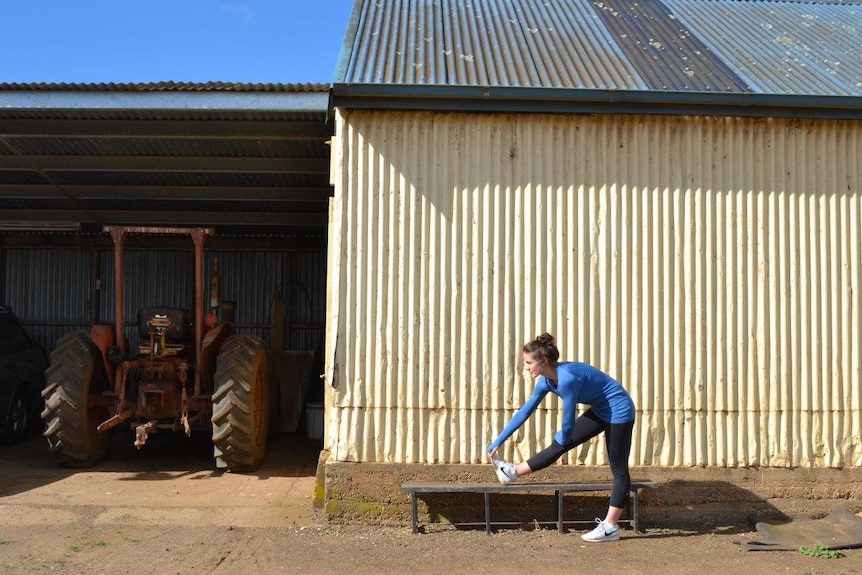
(713,265)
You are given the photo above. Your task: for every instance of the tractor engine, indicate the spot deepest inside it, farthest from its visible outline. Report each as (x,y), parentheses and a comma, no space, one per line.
(155,384)
(160,387)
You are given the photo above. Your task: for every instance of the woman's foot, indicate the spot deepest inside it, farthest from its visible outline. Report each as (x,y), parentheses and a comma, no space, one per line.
(602,532)
(505,471)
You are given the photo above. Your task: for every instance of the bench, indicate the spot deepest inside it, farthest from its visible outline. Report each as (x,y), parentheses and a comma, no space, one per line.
(559,490)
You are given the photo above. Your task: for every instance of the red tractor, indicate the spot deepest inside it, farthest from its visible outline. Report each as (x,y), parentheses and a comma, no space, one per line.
(189,372)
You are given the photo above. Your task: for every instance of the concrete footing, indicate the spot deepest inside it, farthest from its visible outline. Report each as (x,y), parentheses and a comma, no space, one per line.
(686,498)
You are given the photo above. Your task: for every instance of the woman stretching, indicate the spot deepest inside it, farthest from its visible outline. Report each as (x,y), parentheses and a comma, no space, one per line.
(611,411)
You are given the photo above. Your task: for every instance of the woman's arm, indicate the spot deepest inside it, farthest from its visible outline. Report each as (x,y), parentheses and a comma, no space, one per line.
(521,415)
(570,405)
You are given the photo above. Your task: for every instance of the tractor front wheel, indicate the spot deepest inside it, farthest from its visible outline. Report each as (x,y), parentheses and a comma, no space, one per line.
(76,371)
(240,403)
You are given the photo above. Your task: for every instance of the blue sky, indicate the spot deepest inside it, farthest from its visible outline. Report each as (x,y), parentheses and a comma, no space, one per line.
(130,41)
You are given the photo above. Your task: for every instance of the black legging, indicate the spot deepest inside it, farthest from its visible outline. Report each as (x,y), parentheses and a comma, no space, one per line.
(618,437)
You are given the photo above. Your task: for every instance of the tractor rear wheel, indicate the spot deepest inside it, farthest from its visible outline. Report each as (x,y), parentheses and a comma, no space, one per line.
(240,403)
(76,370)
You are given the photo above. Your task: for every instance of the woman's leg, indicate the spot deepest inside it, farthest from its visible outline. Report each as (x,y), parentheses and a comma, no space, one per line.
(619,443)
(618,438)
(587,426)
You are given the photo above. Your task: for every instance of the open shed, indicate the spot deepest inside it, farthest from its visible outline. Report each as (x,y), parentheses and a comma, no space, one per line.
(250,161)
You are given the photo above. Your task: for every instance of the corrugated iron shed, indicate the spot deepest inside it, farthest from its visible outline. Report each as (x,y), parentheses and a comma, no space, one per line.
(250,159)
(759,57)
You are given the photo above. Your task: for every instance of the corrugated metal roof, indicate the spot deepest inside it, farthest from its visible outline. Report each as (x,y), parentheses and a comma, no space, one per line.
(783,47)
(715,48)
(245,158)
(480,43)
(164,87)
(177,113)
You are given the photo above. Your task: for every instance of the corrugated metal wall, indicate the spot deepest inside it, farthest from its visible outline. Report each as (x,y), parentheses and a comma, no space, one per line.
(304,287)
(54,291)
(713,265)
(51,291)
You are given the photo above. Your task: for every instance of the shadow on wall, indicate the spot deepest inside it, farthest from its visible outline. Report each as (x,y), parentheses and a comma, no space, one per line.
(696,506)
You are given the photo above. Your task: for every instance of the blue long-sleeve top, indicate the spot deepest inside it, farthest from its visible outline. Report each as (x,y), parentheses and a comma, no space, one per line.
(576,383)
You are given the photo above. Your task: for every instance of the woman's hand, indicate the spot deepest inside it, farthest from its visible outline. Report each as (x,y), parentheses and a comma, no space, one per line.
(491,453)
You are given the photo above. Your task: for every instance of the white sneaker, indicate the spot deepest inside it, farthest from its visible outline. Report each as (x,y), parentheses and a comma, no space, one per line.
(602,532)
(505,471)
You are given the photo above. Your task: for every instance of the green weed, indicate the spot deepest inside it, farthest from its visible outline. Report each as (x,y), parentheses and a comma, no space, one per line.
(821,551)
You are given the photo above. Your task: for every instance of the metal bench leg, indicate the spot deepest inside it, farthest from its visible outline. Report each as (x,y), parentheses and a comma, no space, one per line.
(559,495)
(487,513)
(635,512)
(415,512)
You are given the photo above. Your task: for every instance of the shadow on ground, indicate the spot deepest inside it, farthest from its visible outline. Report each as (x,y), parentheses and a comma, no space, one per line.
(30,465)
(694,507)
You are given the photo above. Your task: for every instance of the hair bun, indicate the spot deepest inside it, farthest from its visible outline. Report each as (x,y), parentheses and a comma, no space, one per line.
(546,339)
(543,349)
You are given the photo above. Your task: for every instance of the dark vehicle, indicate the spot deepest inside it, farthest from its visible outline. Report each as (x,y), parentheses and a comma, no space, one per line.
(22,378)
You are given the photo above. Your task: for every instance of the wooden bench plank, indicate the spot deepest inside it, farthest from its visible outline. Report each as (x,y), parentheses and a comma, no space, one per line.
(442,487)
(559,490)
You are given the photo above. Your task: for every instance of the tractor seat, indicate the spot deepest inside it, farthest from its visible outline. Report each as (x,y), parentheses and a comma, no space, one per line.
(179,332)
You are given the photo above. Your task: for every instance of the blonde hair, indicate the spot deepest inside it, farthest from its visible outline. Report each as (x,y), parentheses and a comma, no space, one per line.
(544,348)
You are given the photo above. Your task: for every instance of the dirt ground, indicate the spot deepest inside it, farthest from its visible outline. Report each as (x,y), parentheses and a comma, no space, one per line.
(166,510)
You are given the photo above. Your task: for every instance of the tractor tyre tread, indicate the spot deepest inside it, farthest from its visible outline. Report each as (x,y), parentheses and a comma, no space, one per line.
(70,426)
(240,403)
